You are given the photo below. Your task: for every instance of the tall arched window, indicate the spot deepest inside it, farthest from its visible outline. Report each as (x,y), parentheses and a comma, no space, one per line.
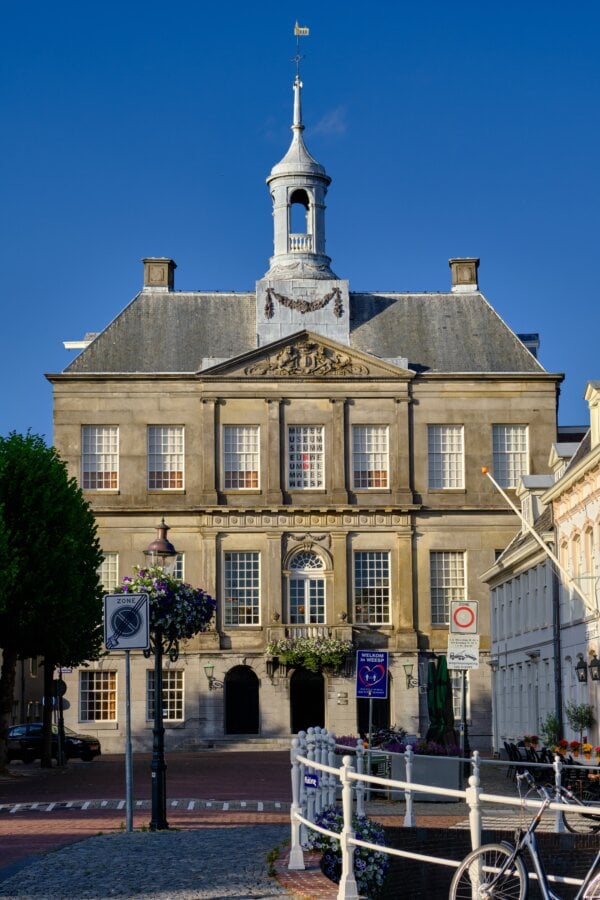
(306,595)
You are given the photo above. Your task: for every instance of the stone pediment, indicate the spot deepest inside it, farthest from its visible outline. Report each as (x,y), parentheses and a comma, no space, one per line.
(306,355)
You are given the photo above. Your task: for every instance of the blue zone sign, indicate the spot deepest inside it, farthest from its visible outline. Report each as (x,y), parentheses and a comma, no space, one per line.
(372,674)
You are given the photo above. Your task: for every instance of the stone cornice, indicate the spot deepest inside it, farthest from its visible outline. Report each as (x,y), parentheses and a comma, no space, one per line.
(571,476)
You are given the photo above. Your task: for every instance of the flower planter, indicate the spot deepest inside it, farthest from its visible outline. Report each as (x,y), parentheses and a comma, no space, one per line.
(437,771)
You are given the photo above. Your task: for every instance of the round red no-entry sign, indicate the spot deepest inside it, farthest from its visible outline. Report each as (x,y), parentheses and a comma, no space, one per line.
(463,617)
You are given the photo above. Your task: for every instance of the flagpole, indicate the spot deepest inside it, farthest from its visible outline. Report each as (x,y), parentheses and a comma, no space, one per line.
(570,582)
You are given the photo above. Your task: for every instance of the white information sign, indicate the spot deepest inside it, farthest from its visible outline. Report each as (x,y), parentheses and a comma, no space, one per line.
(463,617)
(126,621)
(463,651)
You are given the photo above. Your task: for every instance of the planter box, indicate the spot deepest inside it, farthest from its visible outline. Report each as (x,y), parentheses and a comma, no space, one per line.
(438,771)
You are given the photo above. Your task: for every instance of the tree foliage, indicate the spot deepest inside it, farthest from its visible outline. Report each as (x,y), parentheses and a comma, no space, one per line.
(50,592)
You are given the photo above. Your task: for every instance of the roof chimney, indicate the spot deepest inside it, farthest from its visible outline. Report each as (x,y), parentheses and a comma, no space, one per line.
(159,273)
(464,275)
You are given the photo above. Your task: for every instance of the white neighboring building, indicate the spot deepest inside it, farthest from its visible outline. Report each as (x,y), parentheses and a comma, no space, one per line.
(540,626)
(525,686)
(575,501)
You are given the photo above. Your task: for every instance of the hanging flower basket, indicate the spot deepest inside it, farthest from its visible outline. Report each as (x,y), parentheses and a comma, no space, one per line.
(314,654)
(177,610)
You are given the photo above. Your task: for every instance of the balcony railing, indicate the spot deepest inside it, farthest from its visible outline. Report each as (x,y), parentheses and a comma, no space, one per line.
(300,243)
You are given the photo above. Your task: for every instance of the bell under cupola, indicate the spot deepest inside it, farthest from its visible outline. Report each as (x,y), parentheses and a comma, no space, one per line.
(300,291)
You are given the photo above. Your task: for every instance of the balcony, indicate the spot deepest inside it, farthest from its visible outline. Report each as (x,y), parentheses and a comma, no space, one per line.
(300,243)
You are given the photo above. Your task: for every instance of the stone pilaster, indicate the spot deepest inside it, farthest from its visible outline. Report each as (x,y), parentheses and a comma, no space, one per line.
(273,457)
(208,491)
(339,493)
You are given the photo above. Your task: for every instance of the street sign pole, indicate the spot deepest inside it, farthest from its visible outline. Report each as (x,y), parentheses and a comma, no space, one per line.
(128,754)
(127,627)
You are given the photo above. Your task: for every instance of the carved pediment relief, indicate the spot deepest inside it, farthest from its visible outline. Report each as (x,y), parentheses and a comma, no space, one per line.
(305,355)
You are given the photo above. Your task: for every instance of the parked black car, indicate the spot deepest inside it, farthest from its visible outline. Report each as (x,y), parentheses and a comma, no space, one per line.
(25,743)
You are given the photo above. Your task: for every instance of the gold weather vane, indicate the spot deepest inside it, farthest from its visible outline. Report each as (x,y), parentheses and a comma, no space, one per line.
(299,31)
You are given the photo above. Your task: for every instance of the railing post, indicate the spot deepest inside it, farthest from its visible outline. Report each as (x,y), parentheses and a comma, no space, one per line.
(472,797)
(332,778)
(303,789)
(409,816)
(559,824)
(324,759)
(319,733)
(296,860)
(360,785)
(348,889)
(310,793)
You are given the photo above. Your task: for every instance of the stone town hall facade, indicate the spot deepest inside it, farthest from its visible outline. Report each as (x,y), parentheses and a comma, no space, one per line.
(316,453)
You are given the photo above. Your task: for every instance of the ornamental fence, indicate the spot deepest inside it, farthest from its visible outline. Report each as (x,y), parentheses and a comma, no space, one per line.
(318,779)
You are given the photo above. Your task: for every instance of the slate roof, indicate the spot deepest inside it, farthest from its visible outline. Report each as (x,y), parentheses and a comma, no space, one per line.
(174,331)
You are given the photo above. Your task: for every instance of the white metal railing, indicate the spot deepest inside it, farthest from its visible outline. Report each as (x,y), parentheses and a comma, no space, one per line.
(300,243)
(315,782)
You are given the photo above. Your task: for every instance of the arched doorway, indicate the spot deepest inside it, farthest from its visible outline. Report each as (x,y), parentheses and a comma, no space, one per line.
(381,712)
(307,700)
(241,701)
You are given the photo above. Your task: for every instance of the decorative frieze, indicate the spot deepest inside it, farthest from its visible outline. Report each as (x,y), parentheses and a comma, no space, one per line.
(347,519)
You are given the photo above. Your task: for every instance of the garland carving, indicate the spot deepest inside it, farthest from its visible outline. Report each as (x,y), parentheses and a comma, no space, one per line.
(304,306)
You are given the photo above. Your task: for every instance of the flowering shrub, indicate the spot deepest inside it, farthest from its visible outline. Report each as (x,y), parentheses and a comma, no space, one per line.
(425,748)
(348,740)
(370,866)
(574,746)
(597,752)
(180,610)
(312,653)
(586,748)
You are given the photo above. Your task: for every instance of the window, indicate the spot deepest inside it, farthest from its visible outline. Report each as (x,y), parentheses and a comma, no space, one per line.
(100,457)
(305,457)
(446,456)
(241,457)
(371,588)
(307,589)
(172,694)
(456,680)
(242,588)
(509,445)
(179,568)
(109,571)
(97,696)
(370,456)
(447,578)
(165,457)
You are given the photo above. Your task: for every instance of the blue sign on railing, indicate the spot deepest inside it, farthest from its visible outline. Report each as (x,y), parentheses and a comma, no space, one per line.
(311,781)
(372,674)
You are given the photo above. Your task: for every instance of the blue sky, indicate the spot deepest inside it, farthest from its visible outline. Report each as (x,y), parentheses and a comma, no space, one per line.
(144,129)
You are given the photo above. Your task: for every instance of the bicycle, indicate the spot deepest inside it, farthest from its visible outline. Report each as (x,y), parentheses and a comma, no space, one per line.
(497,871)
(583,792)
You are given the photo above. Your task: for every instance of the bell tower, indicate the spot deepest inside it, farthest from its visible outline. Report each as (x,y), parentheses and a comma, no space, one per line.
(300,290)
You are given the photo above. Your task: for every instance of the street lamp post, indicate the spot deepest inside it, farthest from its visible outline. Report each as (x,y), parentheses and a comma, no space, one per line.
(160,552)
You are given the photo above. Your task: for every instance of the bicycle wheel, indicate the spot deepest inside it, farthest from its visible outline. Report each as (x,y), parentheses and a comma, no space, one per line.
(592,891)
(477,877)
(579,823)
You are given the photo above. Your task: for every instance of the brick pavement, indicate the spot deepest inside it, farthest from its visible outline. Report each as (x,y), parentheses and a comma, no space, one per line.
(211,775)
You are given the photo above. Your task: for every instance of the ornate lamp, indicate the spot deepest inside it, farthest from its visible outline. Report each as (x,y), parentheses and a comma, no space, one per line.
(581,669)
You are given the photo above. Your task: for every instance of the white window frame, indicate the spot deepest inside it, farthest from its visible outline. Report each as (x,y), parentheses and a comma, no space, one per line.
(108,570)
(448,581)
(510,451)
(372,587)
(241,588)
(307,589)
(100,457)
(370,457)
(241,457)
(173,695)
(306,457)
(166,457)
(446,457)
(97,695)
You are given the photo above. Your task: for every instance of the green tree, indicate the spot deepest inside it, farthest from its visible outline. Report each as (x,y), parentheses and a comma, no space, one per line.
(50,592)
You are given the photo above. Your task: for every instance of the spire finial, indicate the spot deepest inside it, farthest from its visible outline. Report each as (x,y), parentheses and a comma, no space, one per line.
(299,31)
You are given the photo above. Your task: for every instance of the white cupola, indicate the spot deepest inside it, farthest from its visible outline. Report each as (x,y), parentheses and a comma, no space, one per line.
(298,185)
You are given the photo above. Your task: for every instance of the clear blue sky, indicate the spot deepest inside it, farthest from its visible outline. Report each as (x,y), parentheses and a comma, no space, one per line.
(147,129)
